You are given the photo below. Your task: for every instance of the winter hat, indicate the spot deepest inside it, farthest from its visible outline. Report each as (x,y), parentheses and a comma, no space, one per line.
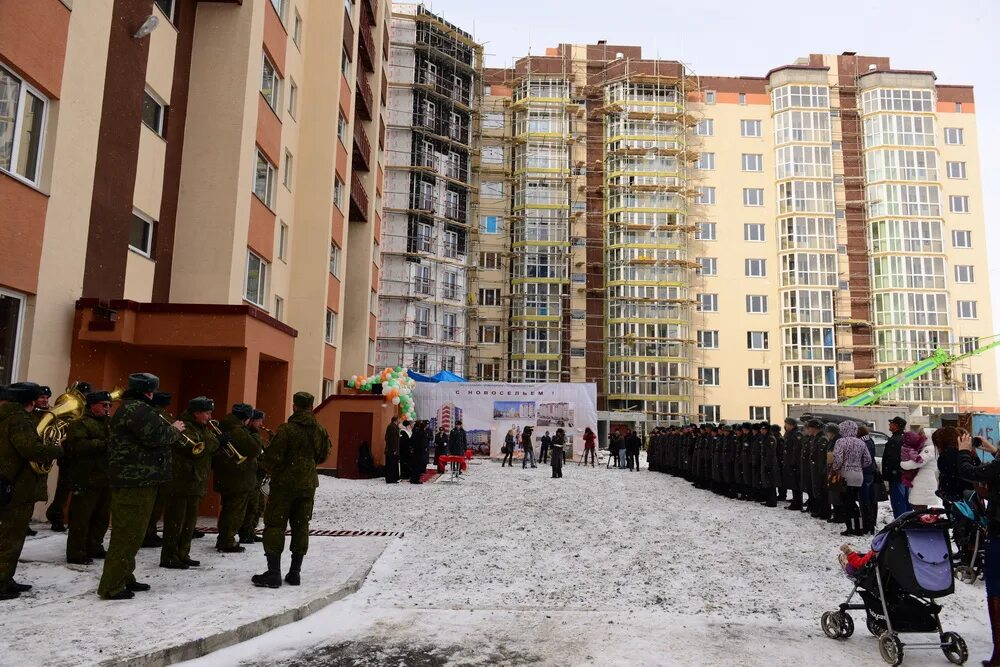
(23,392)
(95,397)
(242,411)
(257,414)
(161,399)
(303,400)
(201,404)
(143,382)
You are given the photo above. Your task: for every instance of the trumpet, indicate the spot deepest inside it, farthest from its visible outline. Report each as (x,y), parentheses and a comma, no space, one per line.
(196,447)
(227,446)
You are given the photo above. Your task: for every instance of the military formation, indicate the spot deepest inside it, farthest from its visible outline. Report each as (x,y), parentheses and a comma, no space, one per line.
(126,467)
(752,462)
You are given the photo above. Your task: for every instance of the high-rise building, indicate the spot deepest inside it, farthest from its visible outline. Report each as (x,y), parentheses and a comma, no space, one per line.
(193,189)
(714,248)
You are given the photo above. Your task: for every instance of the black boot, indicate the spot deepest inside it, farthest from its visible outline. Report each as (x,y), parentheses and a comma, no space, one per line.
(18,588)
(993,604)
(271,578)
(292,578)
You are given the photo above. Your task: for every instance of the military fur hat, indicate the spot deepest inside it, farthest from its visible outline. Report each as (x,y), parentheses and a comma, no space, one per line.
(96,397)
(305,400)
(143,382)
(23,392)
(257,414)
(161,399)
(45,390)
(242,411)
(791,421)
(201,404)
(83,387)
(814,423)
(747,425)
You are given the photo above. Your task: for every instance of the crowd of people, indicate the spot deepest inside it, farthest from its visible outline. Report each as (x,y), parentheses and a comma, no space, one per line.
(408,446)
(130,466)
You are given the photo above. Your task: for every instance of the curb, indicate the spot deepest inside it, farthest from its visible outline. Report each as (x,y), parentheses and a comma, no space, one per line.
(198,648)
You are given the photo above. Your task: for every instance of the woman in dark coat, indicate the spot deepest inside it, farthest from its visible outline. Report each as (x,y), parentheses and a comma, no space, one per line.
(440,445)
(405,455)
(558,442)
(418,452)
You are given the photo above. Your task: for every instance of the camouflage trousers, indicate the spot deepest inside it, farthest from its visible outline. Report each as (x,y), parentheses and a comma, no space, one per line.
(180,514)
(282,511)
(130,511)
(14,520)
(64,490)
(89,513)
(157,511)
(231,516)
(255,507)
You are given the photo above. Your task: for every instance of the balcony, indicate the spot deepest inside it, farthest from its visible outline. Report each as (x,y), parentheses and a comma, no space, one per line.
(366,47)
(366,105)
(362,149)
(359,201)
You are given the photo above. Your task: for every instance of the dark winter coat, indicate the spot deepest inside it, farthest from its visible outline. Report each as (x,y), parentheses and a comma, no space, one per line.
(457,442)
(291,459)
(819,466)
(86,459)
(746,459)
(792,461)
(950,483)
(190,471)
(418,450)
(139,447)
(770,471)
(526,442)
(392,440)
(805,464)
(756,444)
(230,477)
(891,472)
(19,446)
(969,468)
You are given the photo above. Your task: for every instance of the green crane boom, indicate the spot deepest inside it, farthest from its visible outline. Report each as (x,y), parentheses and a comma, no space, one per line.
(939,358)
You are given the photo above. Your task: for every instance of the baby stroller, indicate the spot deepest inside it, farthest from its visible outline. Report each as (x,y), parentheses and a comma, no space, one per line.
(898,587)
(968,528)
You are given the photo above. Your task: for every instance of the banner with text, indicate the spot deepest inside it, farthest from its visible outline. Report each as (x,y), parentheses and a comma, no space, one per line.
(489,410)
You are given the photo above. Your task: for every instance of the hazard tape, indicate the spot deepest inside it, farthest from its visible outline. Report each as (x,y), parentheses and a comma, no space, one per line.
(323,533)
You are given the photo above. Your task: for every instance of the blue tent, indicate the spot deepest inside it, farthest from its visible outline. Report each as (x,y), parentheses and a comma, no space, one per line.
(442,376)
(417,377)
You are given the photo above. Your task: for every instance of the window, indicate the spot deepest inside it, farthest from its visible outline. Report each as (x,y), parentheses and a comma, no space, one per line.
(345,63)
(289,160)
(338,193)
(22,125)
(956,170)
(280,6)
(12,316)
(958,107)
(709,413)
(373,302)
(753,196)
(954,136)
(706,231)
(492,189)
(706,194)
(256,280)
(279,308)
(968,310)
(708,377)
(958,204)
(753,162)
(756,303)
(755,268)
(709,266)
(329,386)
(167,7)
(961,238)
(263,184)
(756,340)
(708,303)
(709,97)
(270,84)
(297,30)
(973,381)
(760,413)
(489,224)
(965,273)
(342,128)
(969,344)
(140,237)
(750,128)
(450,285)
(449,364)
(334,260)
(153,112)
(422,322)
(488,372)
(493,120)
(708,340)
(420,362)
(705,127)
(283,242)
(489,260)
(753,232)
(293,101)
(330,329)
(489,296)
(705,161)
(758,377)
(449,327)
(492,155)
(743,99)
(489,333)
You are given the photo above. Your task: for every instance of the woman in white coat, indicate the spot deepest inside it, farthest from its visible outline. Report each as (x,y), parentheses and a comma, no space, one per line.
(923,493)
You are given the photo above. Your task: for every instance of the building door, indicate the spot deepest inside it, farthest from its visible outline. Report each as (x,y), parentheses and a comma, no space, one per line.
(11,323)
(355,429)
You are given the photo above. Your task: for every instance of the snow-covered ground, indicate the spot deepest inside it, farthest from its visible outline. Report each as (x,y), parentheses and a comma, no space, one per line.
(601,567)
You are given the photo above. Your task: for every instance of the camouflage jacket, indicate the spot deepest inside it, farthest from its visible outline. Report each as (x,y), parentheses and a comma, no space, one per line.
(139,448)
(295,451)
(19,446)
(190,471)
(86,459)
(231,477)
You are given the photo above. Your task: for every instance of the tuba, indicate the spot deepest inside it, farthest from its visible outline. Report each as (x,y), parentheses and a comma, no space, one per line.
(52,426)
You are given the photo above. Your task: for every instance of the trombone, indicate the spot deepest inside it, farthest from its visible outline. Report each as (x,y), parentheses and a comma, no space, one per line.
(196,447)
(227,446)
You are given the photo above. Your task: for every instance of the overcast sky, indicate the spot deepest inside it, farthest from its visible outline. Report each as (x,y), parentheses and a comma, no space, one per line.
(958,39)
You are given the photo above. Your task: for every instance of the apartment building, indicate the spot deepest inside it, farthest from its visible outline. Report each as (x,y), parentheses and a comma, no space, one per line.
(721,247)
(212,214)
(434,81)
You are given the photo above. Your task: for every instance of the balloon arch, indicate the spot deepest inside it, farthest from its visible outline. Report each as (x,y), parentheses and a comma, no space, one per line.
(397,386)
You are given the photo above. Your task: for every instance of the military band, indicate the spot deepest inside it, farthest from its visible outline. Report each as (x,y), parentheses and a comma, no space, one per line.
(124,467)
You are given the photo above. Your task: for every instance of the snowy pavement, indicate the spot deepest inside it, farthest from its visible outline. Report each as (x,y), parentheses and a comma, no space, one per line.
(601,567)
(63,622)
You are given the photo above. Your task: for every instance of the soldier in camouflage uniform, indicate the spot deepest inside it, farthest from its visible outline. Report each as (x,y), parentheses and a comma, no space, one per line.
(19,447)
(255,501)
(235,481)
(291,460)
(187,486)
(86,463)
(161,401)
(138,462)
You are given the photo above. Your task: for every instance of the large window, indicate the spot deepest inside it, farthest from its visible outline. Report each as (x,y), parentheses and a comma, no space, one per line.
(263,183)
(956,170)
(800,96)
(256,280)
(965,273)
(973,381)
(760,413)
(757,340)
(753,196)
(334,260)
(756,303)
(706,161)
(954,136)
(898,130)
(753,162)
(449,327)
(758,377)
(270,83)
(803,162)
(806,126)
(708,377)
(489,333)
(958,203)
(961,238)
(11,322)
(489,224)
(968,310)
(22,127)
(897,99)
(750,128)
(706,231)
(708,340)
(706,194)
(708,266)
(709,413)
(489,296)
(805,197)
(708,303)
(153,112)
(330,330)
(140,236)
(753,231)
(755,268)
(705,127)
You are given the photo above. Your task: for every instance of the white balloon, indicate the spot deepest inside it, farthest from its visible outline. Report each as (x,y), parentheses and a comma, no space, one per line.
(395,401)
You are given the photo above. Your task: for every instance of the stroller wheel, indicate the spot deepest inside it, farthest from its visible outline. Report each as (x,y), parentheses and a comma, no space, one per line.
(954,648)
(846,625)
(830,624)
(875,626)
(891,648)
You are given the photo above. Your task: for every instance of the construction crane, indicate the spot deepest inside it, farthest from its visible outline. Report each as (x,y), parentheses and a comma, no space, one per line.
(940,357)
